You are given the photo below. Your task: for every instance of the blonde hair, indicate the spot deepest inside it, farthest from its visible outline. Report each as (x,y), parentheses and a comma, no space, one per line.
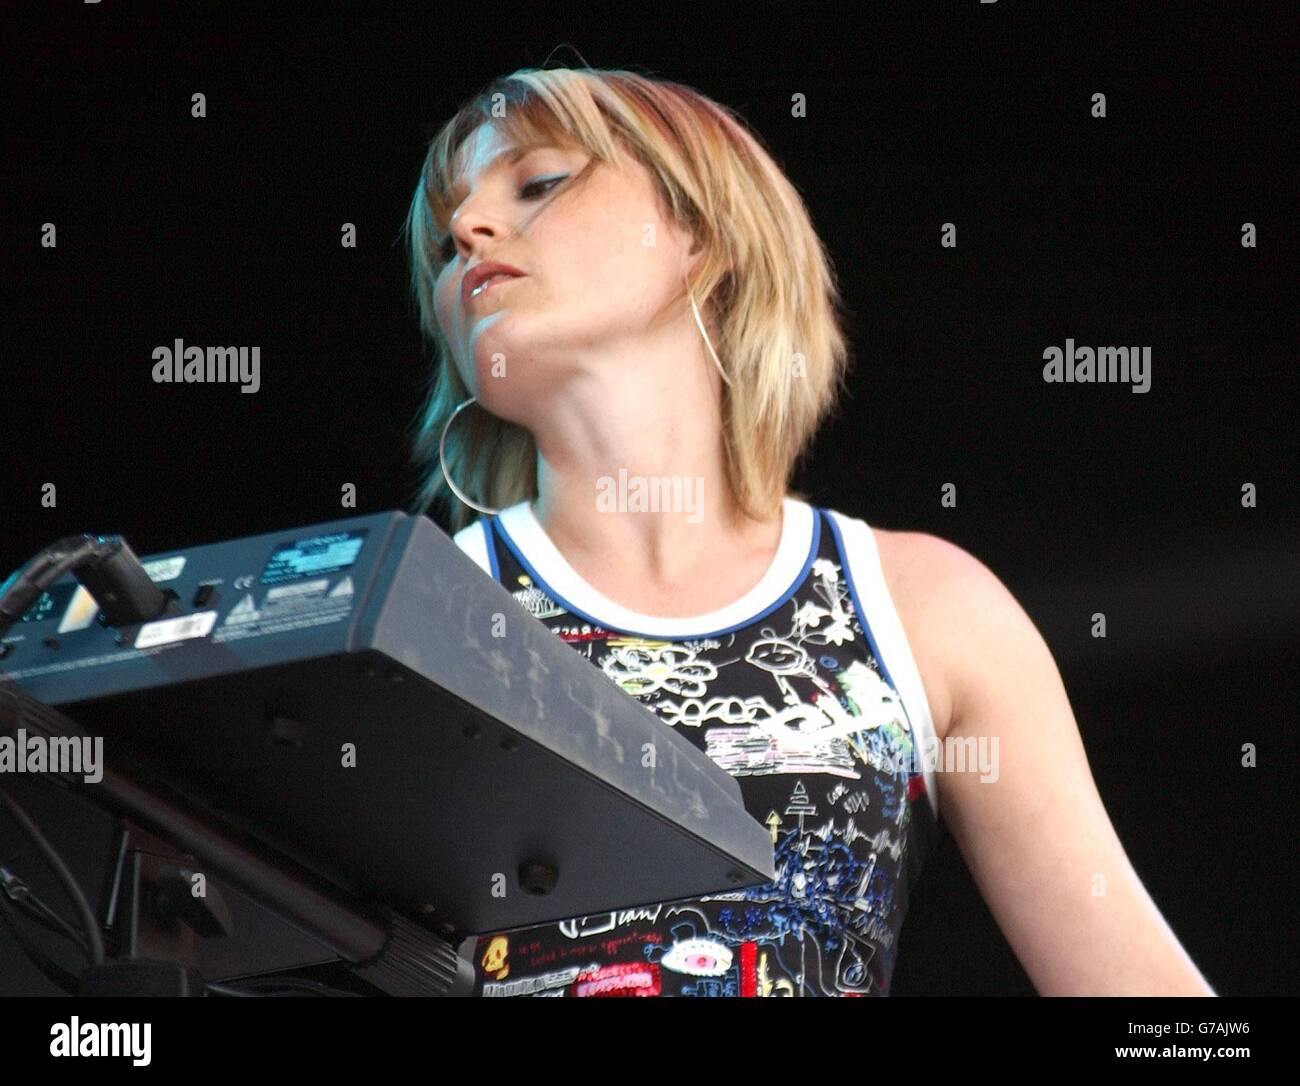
(764,274)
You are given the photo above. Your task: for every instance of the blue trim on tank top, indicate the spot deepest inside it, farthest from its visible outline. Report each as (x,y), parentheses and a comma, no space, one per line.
(568,606)
(491,550)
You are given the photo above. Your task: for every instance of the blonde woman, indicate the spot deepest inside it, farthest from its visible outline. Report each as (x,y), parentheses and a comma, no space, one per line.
(637,334)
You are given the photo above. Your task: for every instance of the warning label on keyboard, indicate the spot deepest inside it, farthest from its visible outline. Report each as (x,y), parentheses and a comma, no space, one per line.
(288,607)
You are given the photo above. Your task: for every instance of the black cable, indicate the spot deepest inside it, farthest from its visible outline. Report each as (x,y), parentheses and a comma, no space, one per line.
(228,990)
(89,925)
(42,914)
(54,973)
(24,586)
(20,894)
(299,983)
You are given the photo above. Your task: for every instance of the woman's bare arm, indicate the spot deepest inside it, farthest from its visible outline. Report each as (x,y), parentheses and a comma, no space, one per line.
(1037,839)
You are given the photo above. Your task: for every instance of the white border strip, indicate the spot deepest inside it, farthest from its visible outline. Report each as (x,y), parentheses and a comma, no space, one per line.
(473,541)
(553,568)
(891,639)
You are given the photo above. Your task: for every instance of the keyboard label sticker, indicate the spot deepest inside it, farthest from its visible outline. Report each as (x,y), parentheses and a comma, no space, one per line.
(288,607)
(314,556)
(167,630)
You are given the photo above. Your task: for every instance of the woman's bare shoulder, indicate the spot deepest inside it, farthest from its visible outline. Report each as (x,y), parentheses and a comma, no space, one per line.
(946,598)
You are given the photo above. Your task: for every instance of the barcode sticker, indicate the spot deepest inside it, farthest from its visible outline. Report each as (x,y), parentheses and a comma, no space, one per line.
(163,632)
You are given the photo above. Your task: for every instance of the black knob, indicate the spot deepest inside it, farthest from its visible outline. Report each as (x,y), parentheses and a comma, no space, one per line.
(537,878)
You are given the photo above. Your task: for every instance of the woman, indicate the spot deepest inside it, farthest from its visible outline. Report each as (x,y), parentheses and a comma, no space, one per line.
(638,334)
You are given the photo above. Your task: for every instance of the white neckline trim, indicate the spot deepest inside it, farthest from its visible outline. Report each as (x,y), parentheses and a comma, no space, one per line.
(562,580)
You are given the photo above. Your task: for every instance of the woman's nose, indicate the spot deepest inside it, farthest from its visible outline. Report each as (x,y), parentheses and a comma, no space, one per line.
(474,225)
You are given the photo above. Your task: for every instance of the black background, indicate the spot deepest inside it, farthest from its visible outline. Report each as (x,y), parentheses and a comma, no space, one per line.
(1082,498)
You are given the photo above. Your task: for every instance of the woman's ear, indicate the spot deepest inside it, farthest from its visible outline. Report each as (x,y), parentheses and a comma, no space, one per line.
(692,264)
(695,255)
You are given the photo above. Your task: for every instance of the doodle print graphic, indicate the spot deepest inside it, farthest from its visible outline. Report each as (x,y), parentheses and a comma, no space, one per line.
(494,958)
(536,602)
(698,957)
(798,708)
(648,667)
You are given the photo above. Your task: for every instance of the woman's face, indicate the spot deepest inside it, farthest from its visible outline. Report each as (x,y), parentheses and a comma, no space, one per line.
(602,267)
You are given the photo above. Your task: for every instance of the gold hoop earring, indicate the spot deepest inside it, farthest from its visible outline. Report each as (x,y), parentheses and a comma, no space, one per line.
(442,463)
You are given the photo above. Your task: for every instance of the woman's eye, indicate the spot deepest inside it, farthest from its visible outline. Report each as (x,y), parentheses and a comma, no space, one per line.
(539,186)
(530,191)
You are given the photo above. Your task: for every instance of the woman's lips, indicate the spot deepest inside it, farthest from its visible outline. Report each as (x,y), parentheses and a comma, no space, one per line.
(488,284)
(477,278)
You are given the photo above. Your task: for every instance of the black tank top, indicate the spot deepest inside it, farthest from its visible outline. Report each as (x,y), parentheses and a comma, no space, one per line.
(789,691)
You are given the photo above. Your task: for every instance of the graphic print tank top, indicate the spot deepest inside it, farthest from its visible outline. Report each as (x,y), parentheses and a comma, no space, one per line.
(806,691)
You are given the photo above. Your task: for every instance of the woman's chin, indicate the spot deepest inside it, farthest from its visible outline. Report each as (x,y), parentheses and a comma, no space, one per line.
(502,399)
